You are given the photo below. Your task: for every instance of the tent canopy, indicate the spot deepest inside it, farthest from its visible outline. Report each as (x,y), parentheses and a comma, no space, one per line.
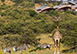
(44,6)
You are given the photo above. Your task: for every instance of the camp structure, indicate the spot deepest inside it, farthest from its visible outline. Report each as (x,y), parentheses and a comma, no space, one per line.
(60,0)
(63,7)
(73,4)
(45,7)
(75,7)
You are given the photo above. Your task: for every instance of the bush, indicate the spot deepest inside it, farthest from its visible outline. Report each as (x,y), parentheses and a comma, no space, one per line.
(27,4)
(3,0)
(17,1)
(68,30)
(13,28)
(55,13)
(32,13)
(71,12)
(10,39)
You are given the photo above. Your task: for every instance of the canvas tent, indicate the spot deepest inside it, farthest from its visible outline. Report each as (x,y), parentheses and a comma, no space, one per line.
(44,6)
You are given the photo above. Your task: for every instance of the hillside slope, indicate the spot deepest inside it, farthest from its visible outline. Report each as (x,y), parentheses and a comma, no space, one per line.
(7,2)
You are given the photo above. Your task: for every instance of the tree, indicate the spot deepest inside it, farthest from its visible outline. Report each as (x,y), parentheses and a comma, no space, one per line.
(68,29)
(3,0)
(32,12)
(18,1)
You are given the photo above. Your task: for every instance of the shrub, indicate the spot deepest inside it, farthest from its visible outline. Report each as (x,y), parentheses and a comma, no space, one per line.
(3,0)
(68,30)
(32,13)
(55,13)
(17,1)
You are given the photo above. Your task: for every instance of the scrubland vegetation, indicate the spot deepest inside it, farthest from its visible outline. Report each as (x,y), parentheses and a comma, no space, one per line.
(20,24)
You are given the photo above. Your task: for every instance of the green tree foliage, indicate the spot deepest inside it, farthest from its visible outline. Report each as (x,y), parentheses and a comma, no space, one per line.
(22,22)
(17,1)
(68,29)
(28,4)
(71,12)
(29,38)
(11,28)
(55,13)
(4,6)
(3,0)
(32,12)
(10,39)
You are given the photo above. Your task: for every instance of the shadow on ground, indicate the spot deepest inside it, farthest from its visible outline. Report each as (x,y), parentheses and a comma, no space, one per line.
(70,50)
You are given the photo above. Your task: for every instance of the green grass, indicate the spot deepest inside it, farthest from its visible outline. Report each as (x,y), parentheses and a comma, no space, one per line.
(44,39)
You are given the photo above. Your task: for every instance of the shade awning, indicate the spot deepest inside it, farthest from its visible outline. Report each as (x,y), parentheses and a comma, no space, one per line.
(43,7)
